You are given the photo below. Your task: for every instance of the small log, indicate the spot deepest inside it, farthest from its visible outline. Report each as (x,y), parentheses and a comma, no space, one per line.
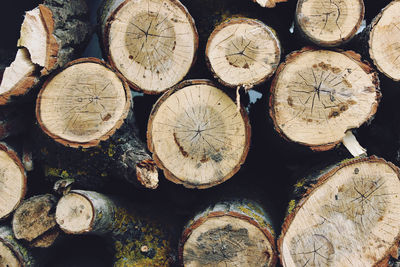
(197,135)
(12,180)
(329,22)
(384,41)
(237,233)
(34,221)
(138,239)
(51,35)
(268,3)
(318,95)
(243,52)
(152,43)
(344,216)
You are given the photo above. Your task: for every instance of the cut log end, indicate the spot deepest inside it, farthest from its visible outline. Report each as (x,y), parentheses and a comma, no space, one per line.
(197,135)
(152,43)
(147,174)
(317,95)
(83,104)
(327,22)
(384,41)
(243,51)
(74,213)
(349,218)
(8,258)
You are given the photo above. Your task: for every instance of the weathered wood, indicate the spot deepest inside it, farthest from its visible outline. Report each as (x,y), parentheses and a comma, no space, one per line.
(329,22)
(197,135)
(318,95)
(137,238)
(344,216)
(152,43)
(237,233)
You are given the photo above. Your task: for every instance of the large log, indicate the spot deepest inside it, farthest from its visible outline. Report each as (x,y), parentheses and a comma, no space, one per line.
(152,43)
(344,216)
(197,135)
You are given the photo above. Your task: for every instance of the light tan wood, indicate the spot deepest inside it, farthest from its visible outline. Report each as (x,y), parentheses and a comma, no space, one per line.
(349,219)
(227,241)
(317,95)
(152,43)
(7,257)
(197,135)
(243,51)
(329,22)
(268,3)
(83,104)
(384,41)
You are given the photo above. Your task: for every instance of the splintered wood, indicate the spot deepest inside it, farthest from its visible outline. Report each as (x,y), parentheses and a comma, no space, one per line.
(83,104)
(349,218)
(384,41)
(151,42)
(243,52)
(318,95)
(329,22)
(197,135)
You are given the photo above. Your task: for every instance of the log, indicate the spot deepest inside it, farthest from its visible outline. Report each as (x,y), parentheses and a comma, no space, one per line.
(236,233)
(51,35)
(384,38)
(13,180)
(137,239)
(242,52)
(197,135)
(344,216)
(152,43)
(268,3)
(317,96)
(91,135)
(34,221)
(329,23)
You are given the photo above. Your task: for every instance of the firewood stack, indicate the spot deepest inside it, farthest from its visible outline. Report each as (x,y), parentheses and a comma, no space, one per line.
(202,133)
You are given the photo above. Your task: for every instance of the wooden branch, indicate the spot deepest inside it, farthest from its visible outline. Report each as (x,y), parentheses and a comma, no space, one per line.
(138,240)
(318,95)
(243,52)
(338,211)
(329,22)
(237,233)
(156,49)
(197,135)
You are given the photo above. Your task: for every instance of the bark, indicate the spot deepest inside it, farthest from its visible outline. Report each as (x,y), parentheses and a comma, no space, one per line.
(235,233)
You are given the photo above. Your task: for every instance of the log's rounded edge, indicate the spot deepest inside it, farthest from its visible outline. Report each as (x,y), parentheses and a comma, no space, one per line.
(20,252)
(106,44)
(107,135)
(293,208)
(333,43)
(159,163)
(366,66)
(237,20)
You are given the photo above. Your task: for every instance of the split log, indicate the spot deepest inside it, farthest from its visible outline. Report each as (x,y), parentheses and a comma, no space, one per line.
(243,52)
(344,216)
(12,180)
(34,221)
(138,239)
(384,41)
(317,96)
(197,135)
(152,43)
(85,110)
(237,233)
(329,22)
(268,3)
(51,35)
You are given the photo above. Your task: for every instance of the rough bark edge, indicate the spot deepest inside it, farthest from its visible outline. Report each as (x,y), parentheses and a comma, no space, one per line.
(238,20)
(371,28)
(106,45)
(189,229)
(270,3)
(366,66)
(159,163)
(321,180)
(107,135)
(334,43)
